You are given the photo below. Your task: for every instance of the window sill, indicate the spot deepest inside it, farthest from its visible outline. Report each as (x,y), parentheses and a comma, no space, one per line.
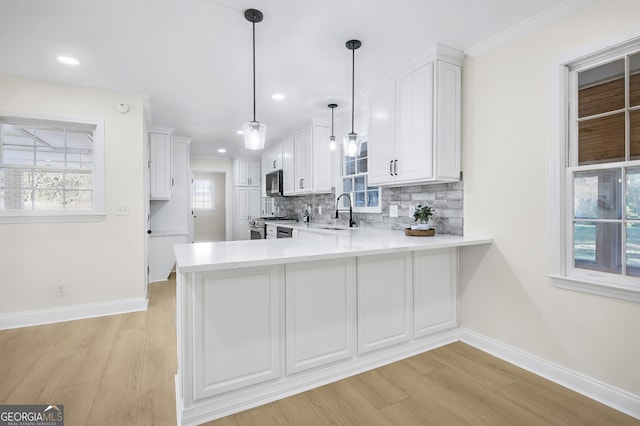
(51,218)
(600,288)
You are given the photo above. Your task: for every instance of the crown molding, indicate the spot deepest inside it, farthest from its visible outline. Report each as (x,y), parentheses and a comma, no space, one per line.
(527,26)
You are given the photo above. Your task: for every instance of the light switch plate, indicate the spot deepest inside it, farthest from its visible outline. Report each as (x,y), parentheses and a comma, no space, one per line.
(393,211)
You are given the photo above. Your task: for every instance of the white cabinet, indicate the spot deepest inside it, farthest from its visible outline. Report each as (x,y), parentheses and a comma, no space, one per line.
(414,127)
(320,313)
(288,166)
(246,172)
(245,207)
(384,301)
(237,322)
(303,161)
(323,180)
(160,165)
(272,159)
(307,161)
(435,291)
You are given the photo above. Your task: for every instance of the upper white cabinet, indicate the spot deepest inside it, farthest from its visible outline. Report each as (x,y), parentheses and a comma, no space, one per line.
(272,159)
(414,124)
(288,166)
(246,172)
(306,161)
(160,181)
(303,161)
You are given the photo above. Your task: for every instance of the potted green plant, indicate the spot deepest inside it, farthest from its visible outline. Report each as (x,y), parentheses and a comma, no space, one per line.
(422,216)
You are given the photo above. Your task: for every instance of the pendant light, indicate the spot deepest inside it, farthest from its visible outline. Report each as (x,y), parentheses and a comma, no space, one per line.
(332,139)
(351,145)
(254,132)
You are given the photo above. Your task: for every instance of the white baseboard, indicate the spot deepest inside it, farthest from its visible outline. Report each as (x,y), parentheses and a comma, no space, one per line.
(70,313)
(618,399)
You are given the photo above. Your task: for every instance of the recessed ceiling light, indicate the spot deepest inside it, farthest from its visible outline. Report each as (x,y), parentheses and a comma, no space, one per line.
(68,60)
(277,96)
(222,150)
(240,132)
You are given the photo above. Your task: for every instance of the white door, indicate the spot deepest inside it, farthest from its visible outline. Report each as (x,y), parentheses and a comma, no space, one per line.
(208,206)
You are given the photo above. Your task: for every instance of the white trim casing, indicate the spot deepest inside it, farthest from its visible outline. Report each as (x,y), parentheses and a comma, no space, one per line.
(562,272)
(613,397)
(71,313)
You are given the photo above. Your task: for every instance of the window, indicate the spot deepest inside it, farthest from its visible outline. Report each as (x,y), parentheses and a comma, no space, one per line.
(202,197)
(49,169)
(601,213)
(365,198)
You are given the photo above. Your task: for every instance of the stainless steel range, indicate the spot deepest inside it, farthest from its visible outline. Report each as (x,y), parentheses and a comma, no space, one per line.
(258,229)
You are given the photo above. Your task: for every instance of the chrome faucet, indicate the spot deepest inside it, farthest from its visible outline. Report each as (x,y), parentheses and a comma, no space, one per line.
(351,221)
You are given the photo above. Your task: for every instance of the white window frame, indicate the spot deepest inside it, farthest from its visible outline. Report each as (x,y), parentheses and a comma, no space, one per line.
(97,212)
(377,209)
(563,273)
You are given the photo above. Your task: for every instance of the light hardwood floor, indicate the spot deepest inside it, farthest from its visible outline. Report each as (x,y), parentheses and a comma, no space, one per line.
(119,370)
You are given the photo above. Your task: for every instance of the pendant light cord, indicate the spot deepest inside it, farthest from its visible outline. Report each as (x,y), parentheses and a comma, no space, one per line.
(332,120)
(353,79)
(254,71)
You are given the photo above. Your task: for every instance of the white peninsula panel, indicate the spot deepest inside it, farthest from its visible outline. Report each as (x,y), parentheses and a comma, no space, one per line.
(384,301)
(320,306)
(236,329)
(435,283)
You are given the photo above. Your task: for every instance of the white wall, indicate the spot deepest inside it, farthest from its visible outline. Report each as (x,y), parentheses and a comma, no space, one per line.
(97,261)
(507,135)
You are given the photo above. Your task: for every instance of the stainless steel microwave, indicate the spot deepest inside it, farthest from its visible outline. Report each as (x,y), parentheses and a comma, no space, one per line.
(273,184)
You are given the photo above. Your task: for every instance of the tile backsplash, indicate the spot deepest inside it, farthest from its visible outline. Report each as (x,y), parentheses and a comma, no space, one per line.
(445,199)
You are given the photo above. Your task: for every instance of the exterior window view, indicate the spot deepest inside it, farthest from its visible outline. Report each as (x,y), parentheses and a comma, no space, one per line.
(46,166)
(605,167)
(354,182)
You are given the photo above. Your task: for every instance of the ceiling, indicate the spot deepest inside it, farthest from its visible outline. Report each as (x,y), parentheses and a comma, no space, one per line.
(192,58)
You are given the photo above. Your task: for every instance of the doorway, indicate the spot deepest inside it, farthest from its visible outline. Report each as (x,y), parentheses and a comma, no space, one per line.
(208,210)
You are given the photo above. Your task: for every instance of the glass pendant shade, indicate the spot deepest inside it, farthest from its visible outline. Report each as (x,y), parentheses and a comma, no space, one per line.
(332,143)
(351,145)
(254,134)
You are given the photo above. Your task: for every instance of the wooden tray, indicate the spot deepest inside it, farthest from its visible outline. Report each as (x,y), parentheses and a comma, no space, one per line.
(419,232)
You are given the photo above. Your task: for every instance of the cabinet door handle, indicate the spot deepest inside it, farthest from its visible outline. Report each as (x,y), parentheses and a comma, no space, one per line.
(395,167)
(391,167)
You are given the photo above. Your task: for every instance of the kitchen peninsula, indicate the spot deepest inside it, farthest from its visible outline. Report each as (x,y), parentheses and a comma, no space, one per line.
(260,320)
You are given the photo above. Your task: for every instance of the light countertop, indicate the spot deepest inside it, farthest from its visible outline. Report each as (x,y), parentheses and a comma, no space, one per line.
(357,242)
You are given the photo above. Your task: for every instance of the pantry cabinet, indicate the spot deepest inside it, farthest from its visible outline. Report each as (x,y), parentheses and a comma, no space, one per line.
(414,126)
(246,172)
(246,206)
